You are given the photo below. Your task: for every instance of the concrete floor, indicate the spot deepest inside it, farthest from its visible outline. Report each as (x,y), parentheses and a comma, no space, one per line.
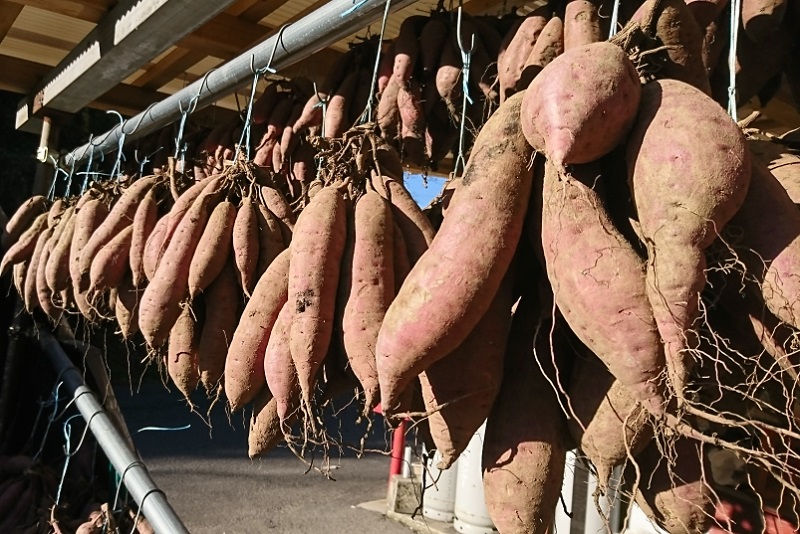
(216,489)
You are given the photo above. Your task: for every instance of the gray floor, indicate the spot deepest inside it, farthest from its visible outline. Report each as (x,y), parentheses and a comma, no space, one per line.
(216,488)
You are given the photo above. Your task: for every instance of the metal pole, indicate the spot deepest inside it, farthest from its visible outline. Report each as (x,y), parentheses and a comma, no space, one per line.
(152,501)
(325,26)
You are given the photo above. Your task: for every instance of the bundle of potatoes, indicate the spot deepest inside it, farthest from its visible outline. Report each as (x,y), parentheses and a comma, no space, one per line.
(421,83)
(615,258)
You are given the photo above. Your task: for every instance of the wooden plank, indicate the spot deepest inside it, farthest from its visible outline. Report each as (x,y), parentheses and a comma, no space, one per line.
(240,7)
(8,14)
(88,10)
(261,10)
(177,61)
(225,36)
(45,40)
(20,75)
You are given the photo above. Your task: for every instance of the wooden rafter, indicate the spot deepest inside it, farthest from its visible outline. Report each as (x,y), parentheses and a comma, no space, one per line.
(8,14)
(88,10)
(177,61)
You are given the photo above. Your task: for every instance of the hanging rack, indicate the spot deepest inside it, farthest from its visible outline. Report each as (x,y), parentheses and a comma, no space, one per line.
(325,26)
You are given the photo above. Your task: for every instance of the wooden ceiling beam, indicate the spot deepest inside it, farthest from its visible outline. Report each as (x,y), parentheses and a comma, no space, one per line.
(131,35)
(88,10)
(8,14)
(176,62)
(225,36)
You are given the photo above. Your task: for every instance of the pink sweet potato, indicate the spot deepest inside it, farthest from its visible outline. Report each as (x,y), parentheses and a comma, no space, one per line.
(120,217)
(582,24)
(213,250)
(222,315)
(676,29)
(161,301)
(472,251)
(22,219)
(548,47)
(245,244)
(22,248)
(594,272)
(57,273)
(525,443)
(144,221)
(111,263)
(182,355)
(457,408)
(279,369)
(583,106)
(265,428)
(511,63)
(370,289)
(244,376)
(674,489)
(153,246)
(683,199)
(770,246)
(316,255)
(270,239)
(762,18)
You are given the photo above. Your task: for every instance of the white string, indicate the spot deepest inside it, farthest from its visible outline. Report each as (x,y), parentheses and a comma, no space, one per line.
(614,20)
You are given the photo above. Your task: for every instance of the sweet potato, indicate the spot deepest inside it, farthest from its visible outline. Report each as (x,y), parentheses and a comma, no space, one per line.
(144,221)
(22,219)
(680,217)
(595,272)
(428,319)
(418,232)
(279,368)
(388,114)
(57,273)
(412,122)
(336,114)
(525,443)
(23,247)
(126,308)
(783,165)
(88,219)
(179,209)
(18,272)
(264,104)
(582,24)
(288,138)
(407,48)
(244,365)
(213,249)
(431,42)
(120,216)
(182,352)
(676,29)
(265,427)
(674,490)
(152,247)
(221,317)
(57,209)
(270,239)
(313,277)
(583,106)
(279,206)
(31,296)
(609,426)
(457,408)
(161,301)
(111,263)
(385,67)
(370,289)
(400,257)
(760,18)
(245,244)
(548,47)
(448,76)
(770,246)
(44,294)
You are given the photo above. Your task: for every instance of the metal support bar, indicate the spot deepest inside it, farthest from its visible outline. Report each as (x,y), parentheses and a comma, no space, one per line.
(152,501)
(325,26)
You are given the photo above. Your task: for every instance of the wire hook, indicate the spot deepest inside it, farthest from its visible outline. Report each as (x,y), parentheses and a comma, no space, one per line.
(121,143)
(466,59)
(366,116)
(278,40)
(180,148)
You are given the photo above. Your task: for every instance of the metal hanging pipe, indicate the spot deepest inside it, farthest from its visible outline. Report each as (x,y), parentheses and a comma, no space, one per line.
(320,29)
(151,500)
